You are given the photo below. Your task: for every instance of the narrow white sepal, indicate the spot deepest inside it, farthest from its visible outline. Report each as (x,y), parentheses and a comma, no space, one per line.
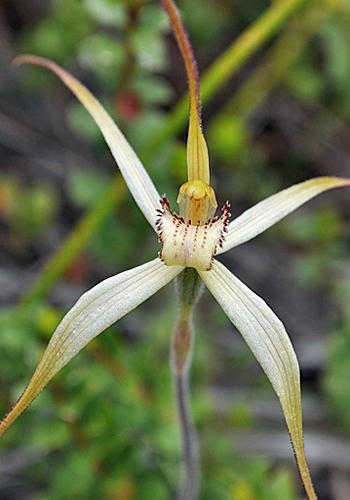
(136,177)
(270,344)
(99,308)
(95,311)
(271,210)
(257,323)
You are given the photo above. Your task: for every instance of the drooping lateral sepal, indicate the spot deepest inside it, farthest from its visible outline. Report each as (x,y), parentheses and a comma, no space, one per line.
(95,311)
(268,340)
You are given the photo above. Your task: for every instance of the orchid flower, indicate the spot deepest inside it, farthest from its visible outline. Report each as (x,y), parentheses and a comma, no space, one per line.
(190,242)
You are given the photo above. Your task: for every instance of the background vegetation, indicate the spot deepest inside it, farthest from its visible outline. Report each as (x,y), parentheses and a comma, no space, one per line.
(105,428)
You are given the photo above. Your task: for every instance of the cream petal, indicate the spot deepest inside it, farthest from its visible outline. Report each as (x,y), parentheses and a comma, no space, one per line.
(270,344)
(95,311)
(269,211)
(137,179)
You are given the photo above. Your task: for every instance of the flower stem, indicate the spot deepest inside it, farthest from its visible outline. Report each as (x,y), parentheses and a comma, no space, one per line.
(188,291)
(190,455)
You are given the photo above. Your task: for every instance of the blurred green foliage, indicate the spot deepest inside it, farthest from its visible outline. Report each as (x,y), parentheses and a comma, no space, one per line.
(337,376)
(28,211)
(106,426)
(338,359)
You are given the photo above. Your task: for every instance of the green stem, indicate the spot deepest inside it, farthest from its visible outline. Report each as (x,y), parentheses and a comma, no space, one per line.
(188,291)
(190,455)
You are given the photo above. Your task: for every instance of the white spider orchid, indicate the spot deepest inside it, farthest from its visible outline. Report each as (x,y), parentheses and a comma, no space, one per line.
(189,240)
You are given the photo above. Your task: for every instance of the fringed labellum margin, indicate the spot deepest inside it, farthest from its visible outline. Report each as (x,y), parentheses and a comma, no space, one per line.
(188,245)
